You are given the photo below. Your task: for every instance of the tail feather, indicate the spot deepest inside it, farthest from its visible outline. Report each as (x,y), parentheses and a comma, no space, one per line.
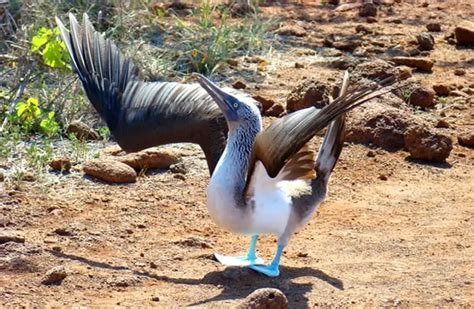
(332,144)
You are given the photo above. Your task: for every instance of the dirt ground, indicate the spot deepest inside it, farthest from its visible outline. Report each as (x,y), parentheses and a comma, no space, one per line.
(393,232)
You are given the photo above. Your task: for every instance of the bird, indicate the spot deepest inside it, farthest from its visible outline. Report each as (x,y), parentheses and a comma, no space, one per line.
(138,113)
(268,181)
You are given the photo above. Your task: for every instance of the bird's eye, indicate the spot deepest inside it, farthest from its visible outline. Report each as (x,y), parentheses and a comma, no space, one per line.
(236,105)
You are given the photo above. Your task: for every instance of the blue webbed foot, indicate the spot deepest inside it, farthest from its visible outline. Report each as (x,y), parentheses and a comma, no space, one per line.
(271,270)
(245,260)
(268,270)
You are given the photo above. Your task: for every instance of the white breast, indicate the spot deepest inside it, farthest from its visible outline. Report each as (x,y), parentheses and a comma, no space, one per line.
(270,205)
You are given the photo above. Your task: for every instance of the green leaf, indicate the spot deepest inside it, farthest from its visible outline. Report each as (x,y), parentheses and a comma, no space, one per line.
(20,108)
(53,55)
(32,101)
(40,38)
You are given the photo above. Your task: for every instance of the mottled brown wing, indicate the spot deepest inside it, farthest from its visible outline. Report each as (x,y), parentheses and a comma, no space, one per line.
(299,166)
(286,136)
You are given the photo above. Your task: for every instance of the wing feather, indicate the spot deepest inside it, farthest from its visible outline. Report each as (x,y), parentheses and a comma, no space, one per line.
(286,136)
(141,114)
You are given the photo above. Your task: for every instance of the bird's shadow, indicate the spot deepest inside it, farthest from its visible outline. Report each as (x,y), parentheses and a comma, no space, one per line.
(235,282)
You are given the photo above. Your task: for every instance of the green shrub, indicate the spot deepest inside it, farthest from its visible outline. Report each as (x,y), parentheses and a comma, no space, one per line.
(204,45)
(48,44)
(30,117)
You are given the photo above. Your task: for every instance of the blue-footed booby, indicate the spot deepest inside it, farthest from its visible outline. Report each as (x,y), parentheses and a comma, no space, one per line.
(267,181)
(142,114)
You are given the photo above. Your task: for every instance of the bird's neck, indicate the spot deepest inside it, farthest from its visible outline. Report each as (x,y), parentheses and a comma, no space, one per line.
(231,171)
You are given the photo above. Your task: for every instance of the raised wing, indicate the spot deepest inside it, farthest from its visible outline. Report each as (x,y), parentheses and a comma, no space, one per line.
(286,136)
(142,114)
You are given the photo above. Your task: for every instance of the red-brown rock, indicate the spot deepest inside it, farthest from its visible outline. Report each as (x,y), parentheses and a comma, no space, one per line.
(422,97)
(110,171)
(151,158)
(464,33)
(441,89)
(275,111)
(267,298)
(466,139)
(422,64)
(310,92)
(425,144)
(60,164)
(380,125)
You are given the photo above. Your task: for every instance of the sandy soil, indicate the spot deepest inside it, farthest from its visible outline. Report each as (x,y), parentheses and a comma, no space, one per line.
(405,241)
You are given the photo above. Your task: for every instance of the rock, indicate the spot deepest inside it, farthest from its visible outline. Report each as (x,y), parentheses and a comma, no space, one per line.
(28,177)
(466,139)
(268,298)
(155,298)
(82,131)
(13,236)
(239,85)
(343,62)
(457,93)
(110,171)
(441,89)
(178,168)
(459,72)
(395,21)
(345,43)
(292,30)
(151,158)
(233,62)
(275,111)
(422,64)
(371,20)
(371,154)
(414,52)
(266,103)
(194,242)
(64,231)
(179,176)
(241,9)
(424,144)
(375,69)
(299,65)
(383,177)
(442,123)
(368,9)
(380,125)
(422,97)
(362,28)
(464,33)
(403,72)
(310,92)
(54,276)
(425,41)
(60,164)
(433,27)
(19,263)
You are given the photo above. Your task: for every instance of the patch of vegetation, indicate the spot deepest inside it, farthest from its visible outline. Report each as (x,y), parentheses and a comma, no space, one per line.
(40,93)
(48,44)
(204,45)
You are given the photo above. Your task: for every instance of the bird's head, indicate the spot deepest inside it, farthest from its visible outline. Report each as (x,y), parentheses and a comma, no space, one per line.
(239,110)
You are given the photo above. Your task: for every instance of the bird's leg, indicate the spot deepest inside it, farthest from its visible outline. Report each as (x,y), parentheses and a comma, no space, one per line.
(250,259)
(271,270)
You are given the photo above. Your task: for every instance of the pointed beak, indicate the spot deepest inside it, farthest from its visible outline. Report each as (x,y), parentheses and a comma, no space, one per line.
(225,101)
